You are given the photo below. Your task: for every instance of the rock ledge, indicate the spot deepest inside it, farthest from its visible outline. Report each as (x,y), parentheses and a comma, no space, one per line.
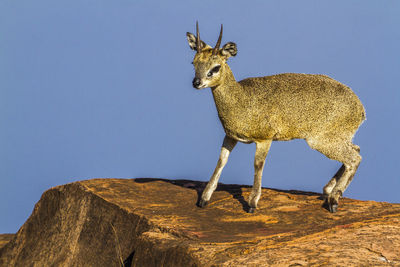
(155,222)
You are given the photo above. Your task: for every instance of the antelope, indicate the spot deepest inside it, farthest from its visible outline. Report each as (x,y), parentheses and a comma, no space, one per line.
(282,107)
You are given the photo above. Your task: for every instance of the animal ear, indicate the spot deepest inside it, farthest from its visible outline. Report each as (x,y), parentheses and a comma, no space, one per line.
(229,50)
(192,41)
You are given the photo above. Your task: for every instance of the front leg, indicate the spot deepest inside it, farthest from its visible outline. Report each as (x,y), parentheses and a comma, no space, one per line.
(226,149)
(262,149)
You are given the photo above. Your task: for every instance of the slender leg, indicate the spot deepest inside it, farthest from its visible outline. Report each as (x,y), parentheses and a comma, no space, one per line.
(262,149)
(331,184)
(348,154)
(356,148)
(226,149)
(351,167)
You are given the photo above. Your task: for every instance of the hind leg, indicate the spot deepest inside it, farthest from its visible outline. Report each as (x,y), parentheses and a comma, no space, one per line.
(345,152)
(352,152)
(356,148)
(331,184)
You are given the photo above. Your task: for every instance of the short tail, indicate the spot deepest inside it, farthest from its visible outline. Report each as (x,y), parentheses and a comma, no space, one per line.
(364,115)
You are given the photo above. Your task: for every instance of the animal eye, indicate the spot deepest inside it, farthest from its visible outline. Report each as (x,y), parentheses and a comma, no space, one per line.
(213,70)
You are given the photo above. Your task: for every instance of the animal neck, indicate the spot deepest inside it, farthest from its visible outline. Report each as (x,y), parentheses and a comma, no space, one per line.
(227,92)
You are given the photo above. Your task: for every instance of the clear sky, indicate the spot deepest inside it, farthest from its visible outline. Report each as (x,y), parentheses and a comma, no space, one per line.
(95,88)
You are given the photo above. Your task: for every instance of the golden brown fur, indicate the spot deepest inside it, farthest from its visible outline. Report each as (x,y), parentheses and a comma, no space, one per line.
(286,106)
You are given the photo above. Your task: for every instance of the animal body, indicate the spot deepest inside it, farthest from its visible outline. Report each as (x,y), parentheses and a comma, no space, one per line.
(280,107)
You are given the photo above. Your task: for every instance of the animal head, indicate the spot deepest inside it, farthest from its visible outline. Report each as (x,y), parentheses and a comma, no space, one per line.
(209,63)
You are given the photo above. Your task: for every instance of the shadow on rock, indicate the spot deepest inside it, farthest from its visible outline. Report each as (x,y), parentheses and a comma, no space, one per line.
(233,189)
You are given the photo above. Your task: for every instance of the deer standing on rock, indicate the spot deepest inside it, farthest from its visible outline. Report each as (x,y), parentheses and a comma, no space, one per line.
(280,107)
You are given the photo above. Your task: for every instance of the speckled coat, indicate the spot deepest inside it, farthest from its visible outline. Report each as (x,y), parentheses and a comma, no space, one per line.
(286,106)
(280,107)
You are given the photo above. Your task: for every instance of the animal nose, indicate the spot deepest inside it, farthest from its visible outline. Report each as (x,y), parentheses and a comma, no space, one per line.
(196,82)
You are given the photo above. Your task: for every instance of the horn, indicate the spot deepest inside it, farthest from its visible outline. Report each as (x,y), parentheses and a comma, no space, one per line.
(198,42)
(216,48)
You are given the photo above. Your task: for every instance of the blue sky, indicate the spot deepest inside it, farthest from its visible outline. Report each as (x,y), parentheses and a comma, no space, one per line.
(103,89)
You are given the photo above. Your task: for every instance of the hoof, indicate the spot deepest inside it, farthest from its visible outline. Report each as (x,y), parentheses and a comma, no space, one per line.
(332,208)
(251,210)
(202,203)
(331,205)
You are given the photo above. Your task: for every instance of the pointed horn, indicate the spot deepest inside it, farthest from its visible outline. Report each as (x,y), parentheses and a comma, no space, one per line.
(198,42)
(216,48)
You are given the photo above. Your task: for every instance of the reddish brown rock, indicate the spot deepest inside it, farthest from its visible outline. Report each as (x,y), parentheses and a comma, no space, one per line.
(154,222)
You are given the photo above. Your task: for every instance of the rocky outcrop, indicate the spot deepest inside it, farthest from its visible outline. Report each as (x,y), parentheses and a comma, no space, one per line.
(4,239)
(155,222)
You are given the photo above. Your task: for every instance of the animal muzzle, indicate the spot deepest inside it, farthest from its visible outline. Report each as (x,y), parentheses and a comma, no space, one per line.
(196,83)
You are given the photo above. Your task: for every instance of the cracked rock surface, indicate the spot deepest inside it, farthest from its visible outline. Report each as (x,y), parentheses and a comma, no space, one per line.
(155,222)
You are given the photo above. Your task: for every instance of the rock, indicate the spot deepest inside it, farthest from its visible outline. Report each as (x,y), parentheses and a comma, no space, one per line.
(155,222)
(4,239)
